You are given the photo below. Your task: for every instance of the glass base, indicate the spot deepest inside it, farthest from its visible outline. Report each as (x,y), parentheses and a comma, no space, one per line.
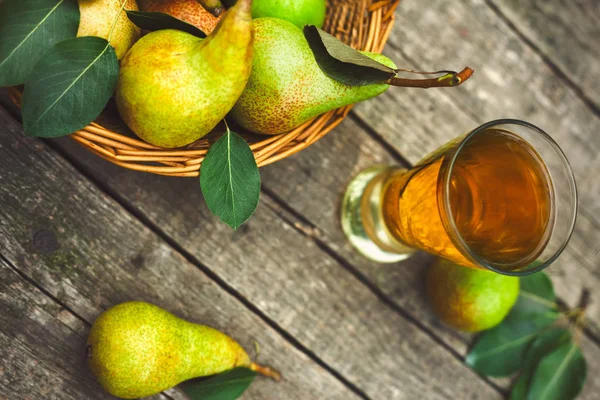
(361,213)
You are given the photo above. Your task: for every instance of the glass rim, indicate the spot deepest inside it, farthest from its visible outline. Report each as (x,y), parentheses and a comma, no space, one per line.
(455,234)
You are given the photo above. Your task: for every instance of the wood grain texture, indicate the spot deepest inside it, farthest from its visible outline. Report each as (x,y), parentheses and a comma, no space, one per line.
(402,282)
(104,256)
(566,32)
(312,184)
(300,287)
(42,345)
(307,186)
(510,81)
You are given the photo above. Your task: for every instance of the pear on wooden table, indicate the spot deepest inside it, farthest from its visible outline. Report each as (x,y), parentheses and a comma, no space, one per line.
(174,87)
(287,87)
(137,349)
(98,17)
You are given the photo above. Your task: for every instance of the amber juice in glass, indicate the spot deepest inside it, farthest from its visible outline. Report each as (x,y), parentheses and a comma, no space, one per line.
(500,197)
(484,200)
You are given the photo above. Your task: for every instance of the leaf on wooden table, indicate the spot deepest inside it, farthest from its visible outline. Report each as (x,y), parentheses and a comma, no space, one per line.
(228,385)
(27,29)
(560,375)
(500,351)
(156,21)
(543,344)
(536,296)
(230,180)
(342,63)
(69,87)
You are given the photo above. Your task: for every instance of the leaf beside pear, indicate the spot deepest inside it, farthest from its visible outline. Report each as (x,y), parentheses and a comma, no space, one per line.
(560,375)
(343,63)
(500,351)
(155,21)
(27,29)
(228,385)
(69,87)
(536,296)
(230,180)
(543,344)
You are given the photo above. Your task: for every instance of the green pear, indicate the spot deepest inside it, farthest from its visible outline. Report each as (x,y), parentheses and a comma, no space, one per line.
(298,12)
(97,18)
(287,87)
(470,299)
(174,88)
(137,349)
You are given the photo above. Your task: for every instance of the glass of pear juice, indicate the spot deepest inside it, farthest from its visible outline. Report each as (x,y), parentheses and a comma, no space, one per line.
(502,198)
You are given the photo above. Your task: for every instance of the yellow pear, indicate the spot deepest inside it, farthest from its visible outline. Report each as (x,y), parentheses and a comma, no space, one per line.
(137,349)
(98,17)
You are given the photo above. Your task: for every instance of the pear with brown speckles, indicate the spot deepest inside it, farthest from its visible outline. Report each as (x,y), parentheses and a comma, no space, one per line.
(287,87)
(137,349)
(174,88)
(97,18)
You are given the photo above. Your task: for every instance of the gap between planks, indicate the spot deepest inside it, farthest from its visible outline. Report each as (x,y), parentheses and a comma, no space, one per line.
(394,153)
(309,230)
(33,283)
(385,299)
(560,74)
(198,264)
(321,244)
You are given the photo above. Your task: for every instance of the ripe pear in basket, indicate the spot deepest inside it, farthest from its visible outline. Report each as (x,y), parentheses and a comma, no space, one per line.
(174,88)
(97,18)
(189,11)
(287,87)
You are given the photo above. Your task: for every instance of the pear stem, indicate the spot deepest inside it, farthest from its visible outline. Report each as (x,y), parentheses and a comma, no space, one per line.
(449,79)
(266,371)
(215,7)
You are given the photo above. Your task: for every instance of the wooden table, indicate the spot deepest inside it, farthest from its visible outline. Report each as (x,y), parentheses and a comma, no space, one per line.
(78,234)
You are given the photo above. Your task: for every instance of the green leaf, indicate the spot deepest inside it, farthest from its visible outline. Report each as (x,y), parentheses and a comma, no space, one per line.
(543,344)
(230,180)
(536,296)
(156,21)
(226,386)
(560,375)
(27,29)
(500,351)
(342,63)
(69,87)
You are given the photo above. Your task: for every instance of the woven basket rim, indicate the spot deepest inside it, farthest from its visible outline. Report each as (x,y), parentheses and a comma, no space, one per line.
(363,24)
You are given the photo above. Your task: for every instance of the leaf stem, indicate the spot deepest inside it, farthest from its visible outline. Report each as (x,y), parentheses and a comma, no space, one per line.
(226,125)
(114,25)
(449,79)
(578,314)
(584,300)
(266,371)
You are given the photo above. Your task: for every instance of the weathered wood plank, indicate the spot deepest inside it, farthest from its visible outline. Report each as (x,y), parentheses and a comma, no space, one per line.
(402,283)
(42,345)
(312,184)
(106,256)
(510,81)
(300,287)
(566,32)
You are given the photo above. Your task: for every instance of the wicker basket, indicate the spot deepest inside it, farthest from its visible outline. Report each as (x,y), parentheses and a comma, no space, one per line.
(363,24)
